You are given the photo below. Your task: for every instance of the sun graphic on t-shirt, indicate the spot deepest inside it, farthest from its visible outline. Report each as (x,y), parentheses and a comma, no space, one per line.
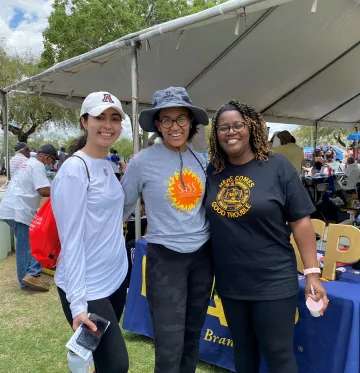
(188,198)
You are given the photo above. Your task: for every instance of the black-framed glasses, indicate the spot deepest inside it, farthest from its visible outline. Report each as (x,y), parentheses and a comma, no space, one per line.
(181,121)
(236,127)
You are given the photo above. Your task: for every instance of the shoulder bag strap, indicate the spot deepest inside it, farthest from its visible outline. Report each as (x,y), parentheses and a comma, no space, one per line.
(87,170)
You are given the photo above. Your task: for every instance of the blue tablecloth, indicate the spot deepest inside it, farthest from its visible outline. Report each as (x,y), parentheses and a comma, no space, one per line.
(328,344)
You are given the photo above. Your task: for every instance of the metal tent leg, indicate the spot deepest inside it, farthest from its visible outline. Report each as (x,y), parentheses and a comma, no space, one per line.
(4,114)
(135,119)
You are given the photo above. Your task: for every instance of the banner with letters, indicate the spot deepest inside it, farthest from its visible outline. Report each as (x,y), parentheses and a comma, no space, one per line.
(326,344)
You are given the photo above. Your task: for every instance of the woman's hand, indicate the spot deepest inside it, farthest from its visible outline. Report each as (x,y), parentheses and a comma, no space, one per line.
(82,318)
(320,293)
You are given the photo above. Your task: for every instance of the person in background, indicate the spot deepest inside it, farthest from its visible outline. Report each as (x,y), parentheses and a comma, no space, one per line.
(319,160)
(22,154)
(18,207)
(115,158)
(331,152)
(274,141)
(252,196)
(62,156)
(347,154)
(179,271)
(92,266)
(109,154)
(352,174)
(33,152)
(115,169)
(291,151)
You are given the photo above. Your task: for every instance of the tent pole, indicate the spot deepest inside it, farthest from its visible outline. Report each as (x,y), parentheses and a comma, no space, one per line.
(135,120)
(315,139)
(4,114)
(356,142)
(6,131)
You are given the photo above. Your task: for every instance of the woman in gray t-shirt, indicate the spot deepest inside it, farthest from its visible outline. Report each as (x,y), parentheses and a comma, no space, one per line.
(179,270)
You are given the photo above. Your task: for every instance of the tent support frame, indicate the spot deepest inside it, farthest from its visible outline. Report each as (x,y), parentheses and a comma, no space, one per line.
(135,122)
(315,138)
(340,106)
(311,78)
(4,114)
(356,150)
(5,122)
(230,48)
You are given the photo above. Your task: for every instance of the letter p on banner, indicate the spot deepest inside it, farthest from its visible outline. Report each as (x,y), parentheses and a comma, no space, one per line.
(333,254)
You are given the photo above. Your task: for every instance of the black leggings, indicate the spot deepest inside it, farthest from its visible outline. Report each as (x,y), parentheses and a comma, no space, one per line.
(178,288)
(266,326)
(111,355)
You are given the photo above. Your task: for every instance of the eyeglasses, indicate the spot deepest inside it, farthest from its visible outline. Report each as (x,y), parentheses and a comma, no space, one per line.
(236,127)
(181,121)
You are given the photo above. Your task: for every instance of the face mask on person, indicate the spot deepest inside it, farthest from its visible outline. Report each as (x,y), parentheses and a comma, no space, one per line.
(47,166)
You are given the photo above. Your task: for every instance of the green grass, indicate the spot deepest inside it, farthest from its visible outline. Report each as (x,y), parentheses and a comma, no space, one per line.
(33,332)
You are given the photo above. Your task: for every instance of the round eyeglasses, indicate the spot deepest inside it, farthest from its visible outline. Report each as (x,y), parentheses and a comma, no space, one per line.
(236,127)
(181,121)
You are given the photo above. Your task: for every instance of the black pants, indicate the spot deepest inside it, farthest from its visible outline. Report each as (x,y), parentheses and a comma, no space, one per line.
(266,326)
(111,355)
(178,288)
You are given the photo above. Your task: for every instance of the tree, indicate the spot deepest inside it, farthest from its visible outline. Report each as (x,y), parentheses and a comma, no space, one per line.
(325,136)
(124,147)
(78,26)
(29,114)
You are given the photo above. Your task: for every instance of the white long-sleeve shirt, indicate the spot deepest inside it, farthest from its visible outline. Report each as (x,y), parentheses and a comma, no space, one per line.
(93,261)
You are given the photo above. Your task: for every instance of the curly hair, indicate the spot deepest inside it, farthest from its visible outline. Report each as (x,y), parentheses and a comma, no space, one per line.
(258,136)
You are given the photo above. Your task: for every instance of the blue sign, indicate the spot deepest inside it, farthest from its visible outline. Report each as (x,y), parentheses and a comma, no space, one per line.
(328,344)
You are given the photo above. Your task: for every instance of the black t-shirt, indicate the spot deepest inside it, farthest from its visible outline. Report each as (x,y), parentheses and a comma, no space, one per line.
(248,207)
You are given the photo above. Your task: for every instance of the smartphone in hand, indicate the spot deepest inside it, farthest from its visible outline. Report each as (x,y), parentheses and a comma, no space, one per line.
(90,339)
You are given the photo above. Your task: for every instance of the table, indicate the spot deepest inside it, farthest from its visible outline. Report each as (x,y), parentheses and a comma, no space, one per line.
(328,344)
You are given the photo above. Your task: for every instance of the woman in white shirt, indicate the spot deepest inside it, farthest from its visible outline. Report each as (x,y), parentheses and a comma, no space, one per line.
(92,266)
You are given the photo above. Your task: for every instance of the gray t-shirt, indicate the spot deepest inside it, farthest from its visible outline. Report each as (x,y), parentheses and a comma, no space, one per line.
(176,216)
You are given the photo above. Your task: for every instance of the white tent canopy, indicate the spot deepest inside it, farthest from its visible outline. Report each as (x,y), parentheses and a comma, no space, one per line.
(294,65)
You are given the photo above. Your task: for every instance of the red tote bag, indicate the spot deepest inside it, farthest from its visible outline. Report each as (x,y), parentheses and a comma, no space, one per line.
(44,238)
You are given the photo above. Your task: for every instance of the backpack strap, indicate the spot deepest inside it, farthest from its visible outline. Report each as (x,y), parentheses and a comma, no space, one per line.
(87,170)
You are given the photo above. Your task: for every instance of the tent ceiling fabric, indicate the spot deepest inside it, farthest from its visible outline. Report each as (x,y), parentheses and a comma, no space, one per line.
(294,65)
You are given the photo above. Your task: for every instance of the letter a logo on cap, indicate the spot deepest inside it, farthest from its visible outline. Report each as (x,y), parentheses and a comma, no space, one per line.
(107,98)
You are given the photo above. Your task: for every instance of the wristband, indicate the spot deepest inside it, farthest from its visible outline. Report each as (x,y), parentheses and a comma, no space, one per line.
(309,271)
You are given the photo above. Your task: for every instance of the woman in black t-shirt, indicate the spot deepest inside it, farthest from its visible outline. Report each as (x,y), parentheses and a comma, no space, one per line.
(319,161)
(251,196)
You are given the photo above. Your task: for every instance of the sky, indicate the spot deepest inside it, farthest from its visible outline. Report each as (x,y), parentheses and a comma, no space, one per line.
(22,23)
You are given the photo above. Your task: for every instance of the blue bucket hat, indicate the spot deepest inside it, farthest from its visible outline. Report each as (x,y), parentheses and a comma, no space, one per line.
(171,97)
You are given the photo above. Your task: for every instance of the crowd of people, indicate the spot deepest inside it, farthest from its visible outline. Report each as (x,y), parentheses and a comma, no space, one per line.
(232,219)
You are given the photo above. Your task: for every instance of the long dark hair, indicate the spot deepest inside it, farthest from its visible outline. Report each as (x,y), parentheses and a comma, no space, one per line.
(80,141)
